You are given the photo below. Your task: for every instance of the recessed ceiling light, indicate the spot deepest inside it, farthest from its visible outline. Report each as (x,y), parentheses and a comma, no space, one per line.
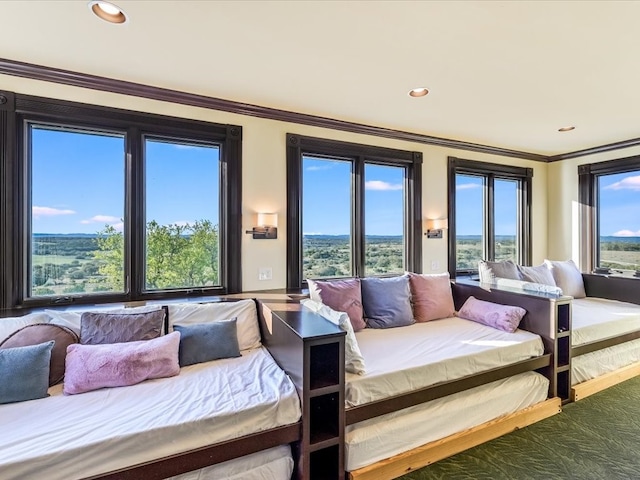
(418,92)
(108,11)
(566,129)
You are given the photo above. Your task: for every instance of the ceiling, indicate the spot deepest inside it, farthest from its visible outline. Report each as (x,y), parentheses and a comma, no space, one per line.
(506,74)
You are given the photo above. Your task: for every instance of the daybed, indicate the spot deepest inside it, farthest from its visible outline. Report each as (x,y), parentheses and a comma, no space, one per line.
(238,414)
(432,389)
(604,324)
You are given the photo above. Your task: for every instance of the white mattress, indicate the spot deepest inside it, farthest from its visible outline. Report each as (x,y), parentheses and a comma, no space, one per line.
(272,464)
(378,438)
(592,365)
(68,437)
(598,318)
(406,358)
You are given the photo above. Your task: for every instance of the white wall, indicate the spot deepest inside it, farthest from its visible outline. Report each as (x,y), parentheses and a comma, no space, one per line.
(264,174)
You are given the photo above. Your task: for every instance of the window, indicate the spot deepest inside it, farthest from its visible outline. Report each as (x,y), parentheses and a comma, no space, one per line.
(489,214)
(111,205)
(611,224)
(357,208)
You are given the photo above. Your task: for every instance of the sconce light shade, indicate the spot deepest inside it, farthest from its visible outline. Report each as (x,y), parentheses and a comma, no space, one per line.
(267,227)
(435,227)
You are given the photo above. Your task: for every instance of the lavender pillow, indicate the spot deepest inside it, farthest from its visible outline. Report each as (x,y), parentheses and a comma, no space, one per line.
(90,367)
(387,301)
(98,328)
(431,296)
(342,296)
(502,317)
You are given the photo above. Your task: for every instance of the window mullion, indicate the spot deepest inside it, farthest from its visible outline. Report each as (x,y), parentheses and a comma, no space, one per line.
(489,214)
(358,226)
(134,217)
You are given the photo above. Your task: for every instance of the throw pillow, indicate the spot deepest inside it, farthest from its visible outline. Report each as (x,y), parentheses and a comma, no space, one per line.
(353,359)
(98,328)
(244,311)
(71,318)
(489,271)
(538,274)
(90,367)
(568,277)
(431,296)
(204,342)
(41,333)
(24,372)
(387,301)
(9,325)
(502,317)
(340,295)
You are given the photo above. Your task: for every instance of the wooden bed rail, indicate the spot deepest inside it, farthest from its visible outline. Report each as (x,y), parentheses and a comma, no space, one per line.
(205,456)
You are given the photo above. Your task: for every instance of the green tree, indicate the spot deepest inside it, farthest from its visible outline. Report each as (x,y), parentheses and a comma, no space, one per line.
(177,255)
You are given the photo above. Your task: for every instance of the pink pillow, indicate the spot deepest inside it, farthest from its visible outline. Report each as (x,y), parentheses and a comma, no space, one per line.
(90,367)
(502,317)
(342,296)
(431,296)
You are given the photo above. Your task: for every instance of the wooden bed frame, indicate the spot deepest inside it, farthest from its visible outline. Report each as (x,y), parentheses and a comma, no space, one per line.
(212,454)
(623,289)
(289,337)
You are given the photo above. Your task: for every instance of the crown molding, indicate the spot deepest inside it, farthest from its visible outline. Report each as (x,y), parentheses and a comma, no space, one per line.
(95,82)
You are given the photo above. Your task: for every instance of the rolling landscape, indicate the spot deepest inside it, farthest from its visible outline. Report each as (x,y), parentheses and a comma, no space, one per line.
(64,264)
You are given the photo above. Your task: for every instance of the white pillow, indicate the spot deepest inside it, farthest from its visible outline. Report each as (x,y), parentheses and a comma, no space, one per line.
(568,277)
(244,310)
(12,324)
(527,286)
(71,318)
(489,271)
(353,359)
(537,274)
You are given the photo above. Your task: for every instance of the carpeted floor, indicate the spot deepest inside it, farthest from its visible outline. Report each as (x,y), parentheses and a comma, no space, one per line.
(595,438)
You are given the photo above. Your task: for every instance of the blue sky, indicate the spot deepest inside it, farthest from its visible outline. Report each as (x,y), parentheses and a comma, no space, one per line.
(78,187)
(78,182)
(620,204)
(327,198)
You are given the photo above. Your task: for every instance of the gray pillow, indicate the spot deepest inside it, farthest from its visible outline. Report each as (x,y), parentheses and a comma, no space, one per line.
(568,277)
(24,372)
(489,271)
(203,342)
(97,328)
(539,274)
(387,301)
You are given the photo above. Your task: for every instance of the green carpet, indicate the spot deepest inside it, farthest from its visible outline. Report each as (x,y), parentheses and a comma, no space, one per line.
(595,438)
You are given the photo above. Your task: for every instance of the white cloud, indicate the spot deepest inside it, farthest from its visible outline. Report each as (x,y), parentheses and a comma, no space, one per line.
(315,168)
(628,183)
(119,227)
(382,186)
(38,212)
(108,219)
(467,186)
(626,233)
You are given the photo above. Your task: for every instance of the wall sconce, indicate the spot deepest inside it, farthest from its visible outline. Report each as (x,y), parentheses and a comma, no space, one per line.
(267,226)
(435,227)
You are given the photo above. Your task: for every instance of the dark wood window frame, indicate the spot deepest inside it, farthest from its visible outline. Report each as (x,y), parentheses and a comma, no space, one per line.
(18,111)
(588,197)
(299,146)
(491,171)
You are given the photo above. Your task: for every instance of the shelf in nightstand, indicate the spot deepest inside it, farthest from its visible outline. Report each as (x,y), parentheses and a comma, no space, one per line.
(319,391)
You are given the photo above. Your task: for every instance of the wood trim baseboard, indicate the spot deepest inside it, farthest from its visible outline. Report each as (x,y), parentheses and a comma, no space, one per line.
(595,385)
(404,463)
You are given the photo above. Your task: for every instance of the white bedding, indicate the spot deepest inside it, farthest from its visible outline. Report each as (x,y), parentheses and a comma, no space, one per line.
(593,364)
(598,318)
(68,437)
(402,359)
(273,464)
(382,437)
